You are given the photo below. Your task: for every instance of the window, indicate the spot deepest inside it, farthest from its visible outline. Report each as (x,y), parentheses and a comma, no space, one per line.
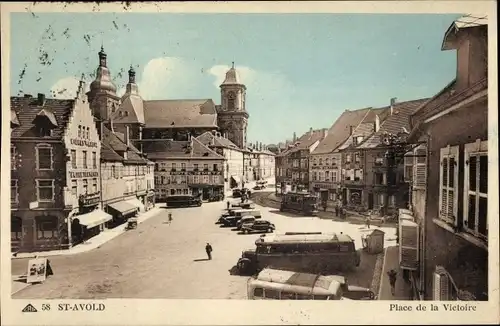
(16,228)
(272,294)
(94,185)
(408,167)
(205,167)
(46,227)
(73,159)
(84,159)
(196,179)
(94,160)
(13,161)
(358,174)
(185,191)
(178,191)
(320,161)
(258,293)
(334,176)
(379,161)
(79,131)
(87,133)
(359,140)
(85,186)
(157,168)
(14,196)
(476,189)
(356,158)
(74,188)
(327,175)
(195,167)
(448,184)
(183,179)
(315,161)
(392,201)
(231,101)
(206,179)
(378,178)
(44,157)
(327,161)
(216,168)
(183,166)
(348,158)
(420,167)
(172,192)
(45,190)
(174,165)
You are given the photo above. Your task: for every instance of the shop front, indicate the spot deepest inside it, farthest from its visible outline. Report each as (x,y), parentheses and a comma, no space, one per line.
(207,191)
(150,199)
(121,211)
(87,225)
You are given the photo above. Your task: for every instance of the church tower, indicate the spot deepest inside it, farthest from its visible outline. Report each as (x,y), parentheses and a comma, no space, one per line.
(102,95)
(232,115)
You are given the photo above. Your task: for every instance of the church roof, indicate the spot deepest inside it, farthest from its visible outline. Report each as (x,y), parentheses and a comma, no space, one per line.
(180,113)
(209,139)
(131,110)
(169,148)
(232,77)
(103,81)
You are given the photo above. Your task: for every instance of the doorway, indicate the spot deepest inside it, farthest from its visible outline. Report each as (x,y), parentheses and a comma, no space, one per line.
(370,200)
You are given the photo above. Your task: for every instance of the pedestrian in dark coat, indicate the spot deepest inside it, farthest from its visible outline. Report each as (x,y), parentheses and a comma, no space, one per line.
(228,204)
(392,280)
(208,249)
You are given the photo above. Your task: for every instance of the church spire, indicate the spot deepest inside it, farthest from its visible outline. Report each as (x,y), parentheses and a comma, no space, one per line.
(131,75)
(102,57)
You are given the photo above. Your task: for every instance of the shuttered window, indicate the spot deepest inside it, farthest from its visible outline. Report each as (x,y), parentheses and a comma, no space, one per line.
(420,167)
(476,189)
(408,165)
(409,245)
(448,185)
(441,285)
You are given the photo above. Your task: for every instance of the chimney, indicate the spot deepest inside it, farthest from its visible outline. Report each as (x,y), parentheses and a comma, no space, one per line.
(324,133)
(140,133)
(41,99)
(311,131)
(294,137)
(393,102)
(127,135)
(111,125)
(377,123)
(351,130)
(28,96)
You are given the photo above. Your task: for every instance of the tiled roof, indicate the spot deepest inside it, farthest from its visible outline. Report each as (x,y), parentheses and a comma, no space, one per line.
(109,155)
(27,108)
(114,142)
(134,106)
(466,21)
(209,139)
(440,98)
(180,113)
(340,130)
(13,118)
(394,123)
(161,149)
(306,141)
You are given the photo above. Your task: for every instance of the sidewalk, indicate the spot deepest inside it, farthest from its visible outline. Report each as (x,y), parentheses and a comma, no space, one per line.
(93,242)
(403,290)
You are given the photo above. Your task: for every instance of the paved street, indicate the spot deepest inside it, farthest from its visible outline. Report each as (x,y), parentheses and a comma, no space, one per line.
(159,260)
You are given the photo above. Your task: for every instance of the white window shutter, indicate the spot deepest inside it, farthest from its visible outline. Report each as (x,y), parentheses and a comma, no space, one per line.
(409,245)
(441,285)
(420,167)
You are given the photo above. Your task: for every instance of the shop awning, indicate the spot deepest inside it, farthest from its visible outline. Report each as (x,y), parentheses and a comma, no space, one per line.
(136,203)
(236,178)
(94,218)
(123,207)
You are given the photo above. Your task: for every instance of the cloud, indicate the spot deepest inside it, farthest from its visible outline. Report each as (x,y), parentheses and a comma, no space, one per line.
(66,88)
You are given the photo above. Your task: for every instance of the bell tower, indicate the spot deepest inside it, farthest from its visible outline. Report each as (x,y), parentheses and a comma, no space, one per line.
(232,115)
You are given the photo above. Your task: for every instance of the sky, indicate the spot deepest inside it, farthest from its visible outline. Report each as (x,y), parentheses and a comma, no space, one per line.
(301,70)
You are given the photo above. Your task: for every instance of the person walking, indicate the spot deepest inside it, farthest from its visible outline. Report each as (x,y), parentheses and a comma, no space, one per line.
(367,222)
(170,219)
(228,204)
(208,249)
(392,280)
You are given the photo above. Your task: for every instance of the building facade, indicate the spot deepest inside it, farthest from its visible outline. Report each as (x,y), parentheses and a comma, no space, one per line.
(450,179)
(185,168)
(55,177)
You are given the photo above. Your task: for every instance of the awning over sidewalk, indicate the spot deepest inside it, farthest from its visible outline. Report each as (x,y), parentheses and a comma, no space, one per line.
(236,179)
(136,203)
(94,218)
(123,207)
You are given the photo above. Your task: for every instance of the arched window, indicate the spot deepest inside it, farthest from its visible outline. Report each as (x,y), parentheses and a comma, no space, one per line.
(46,227)
(320,161)
(16,228)
(327,161)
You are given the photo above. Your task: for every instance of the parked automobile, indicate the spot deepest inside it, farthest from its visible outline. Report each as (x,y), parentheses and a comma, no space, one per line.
(216,197)
(353,292)
(246,205)
(237,193)
(230,220)
(259,187)
(246,219)
(258,226)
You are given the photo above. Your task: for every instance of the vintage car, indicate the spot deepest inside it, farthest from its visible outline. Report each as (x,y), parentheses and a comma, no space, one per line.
(353,292)
(259,187)
(237,193)
(246,219)
(216,197)
(257,226)
(230,220)
(246,205)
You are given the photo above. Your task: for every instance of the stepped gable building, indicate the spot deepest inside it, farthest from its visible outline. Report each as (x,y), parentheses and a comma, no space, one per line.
(55,177)
(325,161)
(185,168)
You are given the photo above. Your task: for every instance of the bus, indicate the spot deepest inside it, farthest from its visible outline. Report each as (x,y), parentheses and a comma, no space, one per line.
(301,202)
(274,284)
(183,201)
(312,252)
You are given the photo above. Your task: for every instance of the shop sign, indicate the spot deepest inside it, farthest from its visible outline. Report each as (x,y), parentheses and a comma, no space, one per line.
(83,142)
(196,173)
(83,174)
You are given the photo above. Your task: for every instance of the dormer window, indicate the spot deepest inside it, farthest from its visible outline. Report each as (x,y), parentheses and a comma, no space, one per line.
(44,122)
